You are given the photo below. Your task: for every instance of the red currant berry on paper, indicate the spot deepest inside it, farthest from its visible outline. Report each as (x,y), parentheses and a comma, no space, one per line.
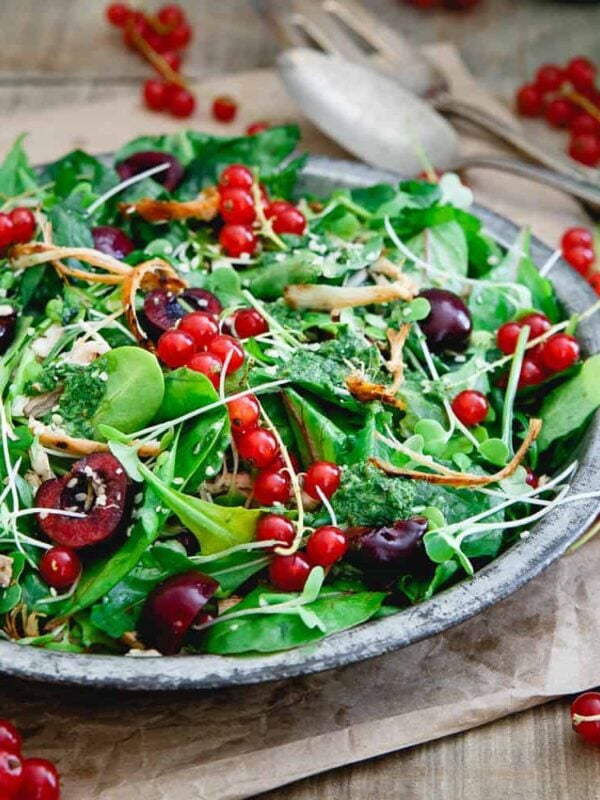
(118,14)
(178,38)
(549,78)
(171,16)
(471,407)
(585,148)
(256,127)
(530,102)
(224,108)
(587,705)
(181,102)
(560,112)
(11,774)
(173,59)
(581,72)
(156,94)
(584,123)
(40,781)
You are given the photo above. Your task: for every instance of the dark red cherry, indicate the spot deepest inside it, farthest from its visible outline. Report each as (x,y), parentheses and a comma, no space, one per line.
(448,324)
(385,553)
(172,608)
(146,159)
(8,326)
(162,310)
(112,241)
(97,487)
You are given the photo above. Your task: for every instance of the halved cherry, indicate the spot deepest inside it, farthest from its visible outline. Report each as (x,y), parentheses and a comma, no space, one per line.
(146,159)
(96,487)
(8,326)
(386,552)
(162,310)
(112,241)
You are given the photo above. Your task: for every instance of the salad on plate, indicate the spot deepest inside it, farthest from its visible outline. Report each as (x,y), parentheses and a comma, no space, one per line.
(236,418)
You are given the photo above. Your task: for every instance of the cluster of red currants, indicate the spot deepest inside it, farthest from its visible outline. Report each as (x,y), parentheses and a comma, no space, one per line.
(452,5)
(16,227)
(568,98)
(577,245)
(24,778)
(239,213)
(557,353)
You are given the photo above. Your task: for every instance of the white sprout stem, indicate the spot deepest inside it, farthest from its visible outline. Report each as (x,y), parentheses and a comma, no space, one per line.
(111,321)
(511,388)
(5,432)
(59,512)
(325,500)
(554,258)
(223,374)
(124,185)
(238,548)
(12,474)
(273,323)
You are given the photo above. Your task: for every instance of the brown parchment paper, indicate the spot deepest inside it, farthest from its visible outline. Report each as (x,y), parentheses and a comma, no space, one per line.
(224,745)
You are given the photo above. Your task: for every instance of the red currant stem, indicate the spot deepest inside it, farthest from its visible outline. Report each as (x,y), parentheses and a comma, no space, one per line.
(583,102)
(511,388)
(274,325)
(238,548)
(161,65)
(266,226)
(579,718)
(288,551)
(15,200)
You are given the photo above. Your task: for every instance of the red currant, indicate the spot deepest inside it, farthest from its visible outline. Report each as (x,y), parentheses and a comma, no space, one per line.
(595,282)
(6,230)
(156,94)
(40,781)
(531,373)
(181,102)
(171,16)
(236,240)
(587,705)
(585,148)
(290,221)
(289,573)
(531,479)
(326,546)
(549,78)
(535,354)
(175,348)
(229,350)
(256,127)
(178,38)
(11,774)
(272,486)
(277,527)
(247,322)
(224,108)
(530,102)
(580,258)
(538,324)
(117,14)
(173,59)
(258,447)
(561,352)
(584,123)
(10,738)
(202,327)
(209,365)
(323,475)
(236,176)
(244,413)
(471,407)
(576,236)
(277,207)
(23,220)
(581,72)
(560,112)
(506,337)
(60,567)
(237,206)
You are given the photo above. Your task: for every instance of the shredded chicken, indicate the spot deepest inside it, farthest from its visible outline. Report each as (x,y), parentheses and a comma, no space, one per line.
(395,365)
(329,298)
(205,207)
(365,391)
(464,479)
(383,266)
(58,440)
(6,571)
(23,256)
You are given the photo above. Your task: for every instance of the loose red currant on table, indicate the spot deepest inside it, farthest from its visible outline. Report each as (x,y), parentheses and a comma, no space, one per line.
(237,206)
(117,14)
(224,108)
(290,221)
(248,322)
(587,705)
(181,102)
(323,475)
(156,94)
(530,101)
(171,16)
(506,337)
(580,258)
(202,327)
(560,112)
(10,738)
(573,237)
(173,59)
(289,573)
(581,72)
(272,486)
(549,78)
(584,123)
(229,350)
(243,413)
(40,781)
(237,240)
(326,546)
(256,127)
(60,567)
(175,348)
(209,365)
(178,38)
(258,447)
(561,352)
(585,148)
(23,220)
(471,407)
(6,230)
(277,527)
(11,774)
(236,176)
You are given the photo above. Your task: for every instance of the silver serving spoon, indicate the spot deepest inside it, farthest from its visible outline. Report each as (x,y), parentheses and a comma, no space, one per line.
(346,29)
(380,122)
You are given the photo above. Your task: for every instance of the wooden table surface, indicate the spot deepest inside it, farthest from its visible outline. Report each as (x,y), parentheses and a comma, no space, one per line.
(61,51)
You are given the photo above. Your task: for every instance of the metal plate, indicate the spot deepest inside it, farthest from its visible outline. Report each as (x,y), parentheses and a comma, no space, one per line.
(546,542)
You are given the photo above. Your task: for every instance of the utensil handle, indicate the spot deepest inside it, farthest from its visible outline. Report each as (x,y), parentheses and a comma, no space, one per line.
(491,124)
(577,187)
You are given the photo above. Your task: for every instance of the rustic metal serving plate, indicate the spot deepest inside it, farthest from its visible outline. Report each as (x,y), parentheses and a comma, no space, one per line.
(546,542)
